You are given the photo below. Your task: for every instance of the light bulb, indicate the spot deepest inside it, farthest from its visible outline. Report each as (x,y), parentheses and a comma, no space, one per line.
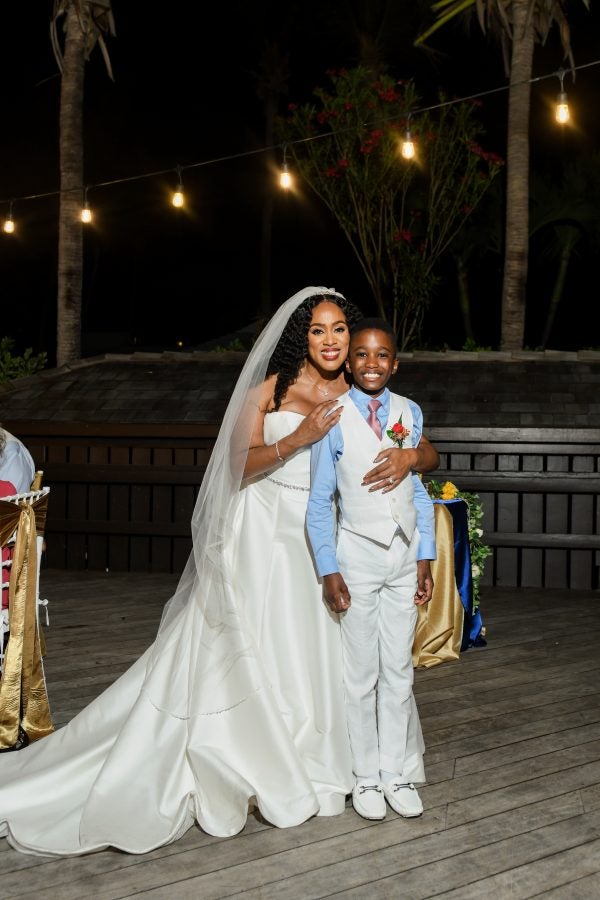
(178,199)
(562,114)
(86,215)
(408,147)
(9,226)
(285,179)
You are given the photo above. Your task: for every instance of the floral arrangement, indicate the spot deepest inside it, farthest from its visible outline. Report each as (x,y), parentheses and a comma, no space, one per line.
(479,550)
(398,433)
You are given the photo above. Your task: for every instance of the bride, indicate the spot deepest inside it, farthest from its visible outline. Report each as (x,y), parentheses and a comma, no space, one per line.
(239,699)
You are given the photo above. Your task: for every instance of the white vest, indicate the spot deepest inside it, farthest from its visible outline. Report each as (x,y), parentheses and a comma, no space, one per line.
(374,515)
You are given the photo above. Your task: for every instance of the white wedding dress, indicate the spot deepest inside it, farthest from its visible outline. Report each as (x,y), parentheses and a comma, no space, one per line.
(247,708)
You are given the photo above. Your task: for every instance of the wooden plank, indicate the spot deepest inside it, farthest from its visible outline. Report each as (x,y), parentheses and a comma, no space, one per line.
(482,462)
(119,511)
(506,567)
(551,541)
(513,797)
(507,512)
(581,571)
(105,527)
(109,430)
(540,877)
(125,474)
(555,568)
(141,495)
(523,482)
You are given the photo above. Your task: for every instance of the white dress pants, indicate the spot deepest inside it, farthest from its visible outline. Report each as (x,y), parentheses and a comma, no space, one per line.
(377,638)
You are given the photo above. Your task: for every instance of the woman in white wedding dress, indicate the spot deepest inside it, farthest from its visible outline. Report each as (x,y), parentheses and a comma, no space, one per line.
(239,699)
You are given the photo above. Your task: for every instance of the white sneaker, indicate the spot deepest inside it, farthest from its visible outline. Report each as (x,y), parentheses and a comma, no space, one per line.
(403,798)
(368,800)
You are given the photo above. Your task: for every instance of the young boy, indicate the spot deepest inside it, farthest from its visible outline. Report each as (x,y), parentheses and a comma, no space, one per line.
(378,573)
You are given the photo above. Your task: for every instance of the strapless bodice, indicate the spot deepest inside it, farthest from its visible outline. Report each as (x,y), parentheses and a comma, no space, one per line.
(295,471)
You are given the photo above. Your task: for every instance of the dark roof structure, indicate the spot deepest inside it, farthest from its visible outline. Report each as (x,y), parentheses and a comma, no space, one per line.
(455,389)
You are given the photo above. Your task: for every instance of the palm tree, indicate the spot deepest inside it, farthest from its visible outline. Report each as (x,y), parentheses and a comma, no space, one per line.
(271,84)
(85,23)
(519,24)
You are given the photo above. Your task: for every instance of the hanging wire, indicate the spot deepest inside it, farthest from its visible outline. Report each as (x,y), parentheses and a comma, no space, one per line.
(245,154)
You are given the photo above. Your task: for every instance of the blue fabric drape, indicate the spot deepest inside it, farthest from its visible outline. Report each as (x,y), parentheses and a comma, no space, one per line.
(473,623)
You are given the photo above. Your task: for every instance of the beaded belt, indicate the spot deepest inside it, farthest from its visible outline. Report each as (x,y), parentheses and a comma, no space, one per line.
(285,484)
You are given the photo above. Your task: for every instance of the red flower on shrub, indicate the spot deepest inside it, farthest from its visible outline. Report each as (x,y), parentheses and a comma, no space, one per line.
(389,95)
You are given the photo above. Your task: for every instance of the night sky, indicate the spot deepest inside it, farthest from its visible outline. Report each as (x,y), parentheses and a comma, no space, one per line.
(184,92)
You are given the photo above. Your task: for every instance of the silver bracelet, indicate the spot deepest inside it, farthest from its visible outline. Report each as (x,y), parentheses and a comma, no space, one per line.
(279,456)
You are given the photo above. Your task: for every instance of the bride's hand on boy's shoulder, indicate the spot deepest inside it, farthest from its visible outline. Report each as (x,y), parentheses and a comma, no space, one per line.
(319,422)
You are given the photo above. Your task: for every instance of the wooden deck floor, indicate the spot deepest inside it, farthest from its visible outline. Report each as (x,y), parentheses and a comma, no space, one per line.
(512,803)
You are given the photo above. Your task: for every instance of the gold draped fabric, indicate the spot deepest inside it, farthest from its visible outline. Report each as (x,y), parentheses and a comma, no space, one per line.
(23,696)
(439,628)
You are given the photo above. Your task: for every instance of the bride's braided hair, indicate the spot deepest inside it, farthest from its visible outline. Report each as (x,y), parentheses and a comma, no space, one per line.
(292,349)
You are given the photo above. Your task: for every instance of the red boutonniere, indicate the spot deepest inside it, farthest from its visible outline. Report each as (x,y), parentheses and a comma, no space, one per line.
(398,433)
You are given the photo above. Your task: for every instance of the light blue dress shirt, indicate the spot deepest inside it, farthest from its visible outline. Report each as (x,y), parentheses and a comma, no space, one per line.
(320,521)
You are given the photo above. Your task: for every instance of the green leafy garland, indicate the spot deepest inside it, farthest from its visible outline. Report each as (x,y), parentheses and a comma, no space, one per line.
(479,550)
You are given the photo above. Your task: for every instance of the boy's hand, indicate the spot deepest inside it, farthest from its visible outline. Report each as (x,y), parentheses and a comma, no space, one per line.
(393,465)
(337,595)
(424,582)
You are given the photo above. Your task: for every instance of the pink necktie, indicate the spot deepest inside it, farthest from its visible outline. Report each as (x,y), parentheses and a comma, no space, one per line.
(372,420)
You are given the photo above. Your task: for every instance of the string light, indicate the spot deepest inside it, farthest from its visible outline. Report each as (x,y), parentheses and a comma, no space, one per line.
(285,178)
(86,212)
(562,114)
(408,147)
(9,224)
(178,198)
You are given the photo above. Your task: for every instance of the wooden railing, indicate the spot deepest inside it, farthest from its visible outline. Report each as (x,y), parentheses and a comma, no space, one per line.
(540,492)
(122,496)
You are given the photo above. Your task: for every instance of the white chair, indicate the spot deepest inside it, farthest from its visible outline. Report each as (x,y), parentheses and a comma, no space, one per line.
(24,708)
(31,498)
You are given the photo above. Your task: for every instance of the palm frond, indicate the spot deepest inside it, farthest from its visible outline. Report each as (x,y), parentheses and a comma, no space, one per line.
(95,19)
(453,8)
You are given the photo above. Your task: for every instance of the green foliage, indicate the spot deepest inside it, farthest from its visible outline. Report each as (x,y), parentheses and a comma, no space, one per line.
(473,347)
(234,344)
(12,366)
(399,216)
(479,550)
